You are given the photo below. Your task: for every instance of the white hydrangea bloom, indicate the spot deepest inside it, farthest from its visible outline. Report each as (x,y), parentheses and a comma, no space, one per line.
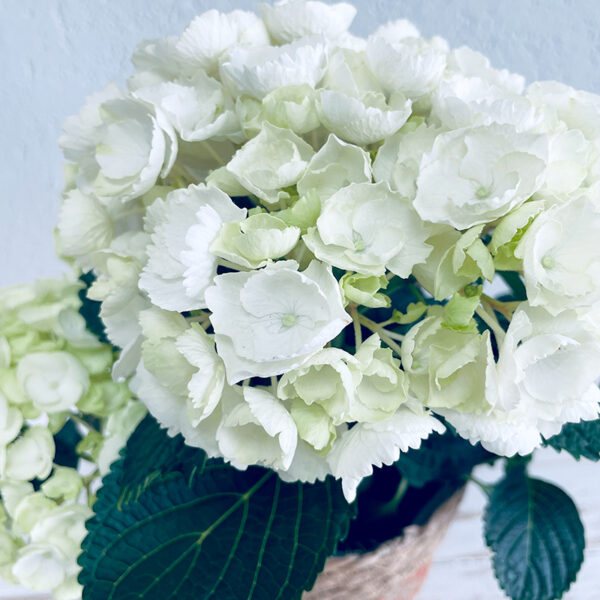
(182,227)
(11,421)
(367,228)
(30,455)
(276,158)
(406,63)
(209,38)
(289,20)
(375,444)
(479,174)
(197,111)
(561,258)
(270,321)
(119,145)
(41,567)
(335,166)
(53,381)
(363,120)
(545,376)
(260,70)
(256,429)
(399,158)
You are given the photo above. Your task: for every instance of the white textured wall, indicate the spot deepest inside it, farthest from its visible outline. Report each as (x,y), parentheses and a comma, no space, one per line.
(56,52)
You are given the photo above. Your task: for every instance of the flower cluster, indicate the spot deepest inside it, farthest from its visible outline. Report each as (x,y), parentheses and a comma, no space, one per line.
(260,201)
(62,422)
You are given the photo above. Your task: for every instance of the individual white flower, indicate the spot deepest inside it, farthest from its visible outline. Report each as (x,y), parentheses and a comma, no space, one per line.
(561,259)
(477,175)
(275,159)
(206,384)
(13,491)
(260,70)
(288,20)
(291,107)
(11,421)
(335,166)
(254,241)
(576,109)
(120,146)
(446,368)
(410,64)
(64,484)
(363,120)
(84,226)
(41,567)
(473,64)
(182,227)
(30,456)
(545,376)
(211,35)
(367,228)
(383,387)
(398,159)
(327,380)
(64,528)
(256,429)
(53,381)
(469,101)
(270,321)
(31,509)
(571,162)
(197,111)
(155,61)
(365,445)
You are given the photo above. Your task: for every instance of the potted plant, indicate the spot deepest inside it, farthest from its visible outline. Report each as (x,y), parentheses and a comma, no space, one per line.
(339,274)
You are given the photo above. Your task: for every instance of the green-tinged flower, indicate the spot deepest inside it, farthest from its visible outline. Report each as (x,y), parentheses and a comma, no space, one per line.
(254,241)
(383,387)
(327,380)
(64,484)
(31,509)
(446,368)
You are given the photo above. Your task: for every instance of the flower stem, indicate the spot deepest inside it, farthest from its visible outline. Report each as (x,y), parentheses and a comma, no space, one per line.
(490,320)
(356,322)
(80,421)
(384,334)
(506,309)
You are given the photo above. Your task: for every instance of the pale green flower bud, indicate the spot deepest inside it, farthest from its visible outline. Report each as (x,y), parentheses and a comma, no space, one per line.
(30,456)
(64,484)
(12,491)
(8,549)
(31,509)
(364,289)
(54,381)
(104,397)
(303,213)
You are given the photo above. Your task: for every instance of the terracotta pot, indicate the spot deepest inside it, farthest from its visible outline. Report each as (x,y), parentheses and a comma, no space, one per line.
(394,571)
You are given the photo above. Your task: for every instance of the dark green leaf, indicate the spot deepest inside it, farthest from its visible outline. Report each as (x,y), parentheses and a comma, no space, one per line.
(446,456)
(535,533)
(173,524)
(515,283)
(579,439)
(66,441)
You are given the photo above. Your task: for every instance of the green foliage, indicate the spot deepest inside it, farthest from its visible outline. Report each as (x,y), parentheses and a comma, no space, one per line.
(535,533)
(579,439)
(171,523)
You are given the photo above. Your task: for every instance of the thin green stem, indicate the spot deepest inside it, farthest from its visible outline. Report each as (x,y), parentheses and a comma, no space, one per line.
(490,320)
(356,322)
(79,420)
(214,153)
(383,333)
(486,488)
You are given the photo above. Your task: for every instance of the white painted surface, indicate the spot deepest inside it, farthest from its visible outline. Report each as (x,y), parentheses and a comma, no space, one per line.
(56,52)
